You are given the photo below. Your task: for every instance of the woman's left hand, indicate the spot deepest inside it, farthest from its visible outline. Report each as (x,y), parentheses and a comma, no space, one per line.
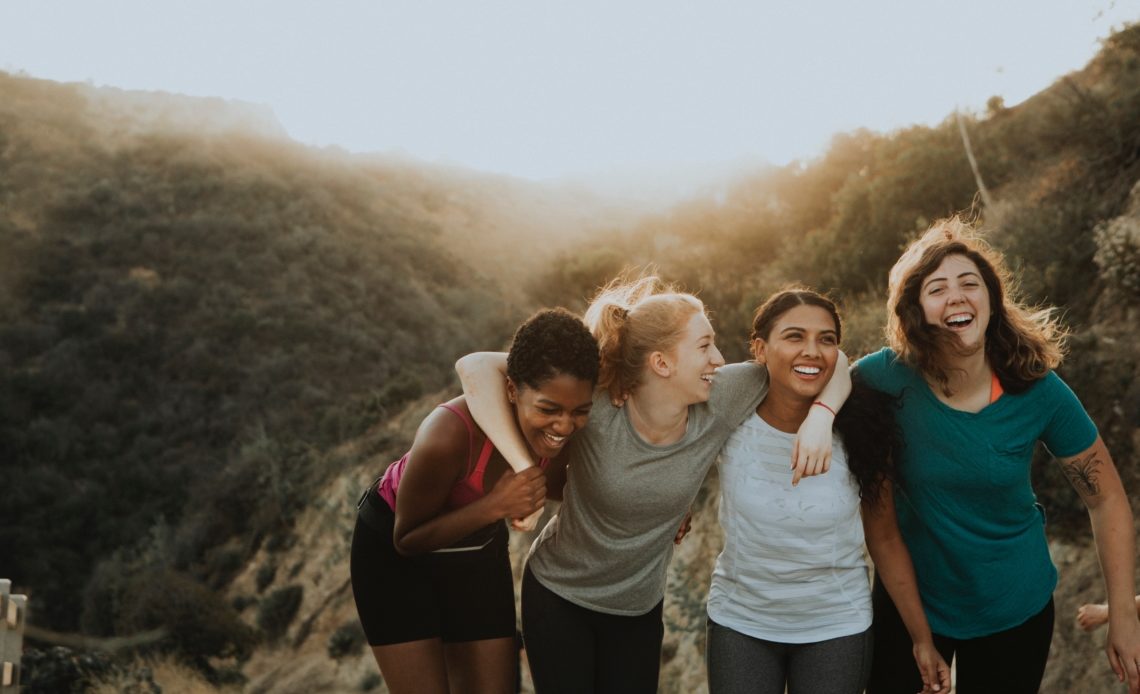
(686,526)
(525,525)
(934,670)
(811,452)
(1123,648)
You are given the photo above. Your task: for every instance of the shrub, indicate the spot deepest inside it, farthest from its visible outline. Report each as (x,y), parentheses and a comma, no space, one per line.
(60,670)
(198,624)
(346,640)
(277,610)
(1118,255)
(265,575)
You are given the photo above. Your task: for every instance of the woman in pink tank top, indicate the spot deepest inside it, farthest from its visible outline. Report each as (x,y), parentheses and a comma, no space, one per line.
(430,571)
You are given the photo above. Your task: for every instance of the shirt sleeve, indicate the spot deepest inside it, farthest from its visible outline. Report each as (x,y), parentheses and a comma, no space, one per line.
(737,390)
(880,370)
(1069,430)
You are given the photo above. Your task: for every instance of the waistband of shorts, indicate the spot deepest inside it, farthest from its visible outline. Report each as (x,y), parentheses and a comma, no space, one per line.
(374,511)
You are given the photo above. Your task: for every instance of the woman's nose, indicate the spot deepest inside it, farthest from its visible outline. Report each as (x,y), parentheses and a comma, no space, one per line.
(715,357)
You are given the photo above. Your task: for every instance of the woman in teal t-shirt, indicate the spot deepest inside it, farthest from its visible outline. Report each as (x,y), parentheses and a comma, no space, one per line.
(973,369)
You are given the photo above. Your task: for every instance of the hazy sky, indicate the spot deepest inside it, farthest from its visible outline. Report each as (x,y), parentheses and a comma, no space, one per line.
(546,89)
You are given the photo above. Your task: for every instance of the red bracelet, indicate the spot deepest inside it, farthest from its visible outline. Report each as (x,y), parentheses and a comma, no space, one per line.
(824,406)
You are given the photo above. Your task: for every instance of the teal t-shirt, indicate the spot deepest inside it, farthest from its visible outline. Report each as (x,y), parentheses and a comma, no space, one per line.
(966,507)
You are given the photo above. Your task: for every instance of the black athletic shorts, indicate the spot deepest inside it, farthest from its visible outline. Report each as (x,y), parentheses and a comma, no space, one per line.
(453,595)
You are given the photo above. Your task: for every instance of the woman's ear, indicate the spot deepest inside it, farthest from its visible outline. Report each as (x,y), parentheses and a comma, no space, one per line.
(757,347)
(659,363)
(512,391)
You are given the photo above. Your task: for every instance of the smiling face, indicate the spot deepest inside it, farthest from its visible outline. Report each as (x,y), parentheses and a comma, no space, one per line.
(694,359)
(549,414)
(800,352)
(955,297)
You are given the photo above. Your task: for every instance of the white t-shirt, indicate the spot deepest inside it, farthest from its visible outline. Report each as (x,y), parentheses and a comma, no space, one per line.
(793,568)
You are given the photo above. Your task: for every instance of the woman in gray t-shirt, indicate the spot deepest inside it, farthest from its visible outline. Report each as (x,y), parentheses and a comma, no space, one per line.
(595,578)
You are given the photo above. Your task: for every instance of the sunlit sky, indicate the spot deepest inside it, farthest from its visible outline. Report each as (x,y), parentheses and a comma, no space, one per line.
(544,90)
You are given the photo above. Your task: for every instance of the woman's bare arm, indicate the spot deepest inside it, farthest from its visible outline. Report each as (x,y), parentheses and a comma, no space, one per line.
(895,570)
(438,459)
(484,379)
(1094,476)
(811,453)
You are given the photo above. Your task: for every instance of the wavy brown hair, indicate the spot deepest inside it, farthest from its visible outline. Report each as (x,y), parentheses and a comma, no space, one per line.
(1022,343)
(632,319)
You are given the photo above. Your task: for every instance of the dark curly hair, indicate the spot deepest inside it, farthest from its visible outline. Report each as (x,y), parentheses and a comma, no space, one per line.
(552,342)
(871,437)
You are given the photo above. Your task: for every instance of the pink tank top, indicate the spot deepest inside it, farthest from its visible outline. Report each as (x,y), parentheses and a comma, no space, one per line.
(465,490)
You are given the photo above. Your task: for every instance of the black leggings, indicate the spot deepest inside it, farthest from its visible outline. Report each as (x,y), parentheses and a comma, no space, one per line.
(576,650)
(1008,662)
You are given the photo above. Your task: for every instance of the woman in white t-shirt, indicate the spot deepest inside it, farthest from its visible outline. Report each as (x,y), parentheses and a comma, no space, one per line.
(790,602)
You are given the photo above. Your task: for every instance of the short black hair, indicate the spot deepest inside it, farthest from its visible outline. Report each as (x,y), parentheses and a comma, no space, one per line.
(551,342)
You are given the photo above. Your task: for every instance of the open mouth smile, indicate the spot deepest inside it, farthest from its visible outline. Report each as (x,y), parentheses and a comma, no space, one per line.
(553,440)
(958,320)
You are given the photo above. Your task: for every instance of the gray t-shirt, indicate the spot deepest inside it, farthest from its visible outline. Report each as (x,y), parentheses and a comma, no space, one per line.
(610,544)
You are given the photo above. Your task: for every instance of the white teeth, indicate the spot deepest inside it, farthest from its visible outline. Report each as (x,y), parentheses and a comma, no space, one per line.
(807,370)
(556,440)
(707,378)
(959,319)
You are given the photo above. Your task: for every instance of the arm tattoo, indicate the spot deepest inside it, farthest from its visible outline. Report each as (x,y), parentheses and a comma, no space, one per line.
(1083,473)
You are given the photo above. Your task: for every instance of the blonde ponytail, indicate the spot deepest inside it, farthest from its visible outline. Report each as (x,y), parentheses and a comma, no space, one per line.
(631,319)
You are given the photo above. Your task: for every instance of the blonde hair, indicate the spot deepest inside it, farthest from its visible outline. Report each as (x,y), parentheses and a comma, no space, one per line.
(631,319)
(1022,343)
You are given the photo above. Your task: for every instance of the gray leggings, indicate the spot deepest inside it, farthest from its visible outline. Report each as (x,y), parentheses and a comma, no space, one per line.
(739,664)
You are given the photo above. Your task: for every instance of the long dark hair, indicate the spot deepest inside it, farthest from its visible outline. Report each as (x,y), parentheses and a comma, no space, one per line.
(871,436)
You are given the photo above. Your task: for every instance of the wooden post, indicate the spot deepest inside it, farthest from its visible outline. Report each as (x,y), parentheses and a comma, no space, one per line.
(13,613)
(987,201)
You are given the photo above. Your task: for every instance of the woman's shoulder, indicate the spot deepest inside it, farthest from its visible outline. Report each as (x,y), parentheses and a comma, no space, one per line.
(456,412)
(883,369)
(448,429)
(885,357)
(747,374)
(1050,387)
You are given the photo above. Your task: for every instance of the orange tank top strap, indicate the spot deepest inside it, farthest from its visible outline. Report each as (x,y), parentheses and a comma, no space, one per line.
(995,387)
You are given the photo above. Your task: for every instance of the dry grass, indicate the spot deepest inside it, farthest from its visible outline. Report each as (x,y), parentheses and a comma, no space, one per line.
(165,671)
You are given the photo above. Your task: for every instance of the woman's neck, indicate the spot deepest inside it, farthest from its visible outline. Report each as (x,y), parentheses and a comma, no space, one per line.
(656,420)
(970,382)
(783,413)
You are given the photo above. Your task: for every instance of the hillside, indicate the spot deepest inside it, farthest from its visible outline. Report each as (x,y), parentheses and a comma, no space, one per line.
(211,337)
(193,307)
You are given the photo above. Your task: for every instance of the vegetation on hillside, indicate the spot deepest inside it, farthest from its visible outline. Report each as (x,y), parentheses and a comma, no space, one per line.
(186,321)
(191,322)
